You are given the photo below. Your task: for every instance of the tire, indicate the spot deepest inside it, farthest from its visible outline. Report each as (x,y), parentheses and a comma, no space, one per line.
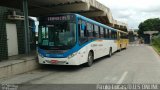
(120,48)
(90,59)
(125,47)
(110,52)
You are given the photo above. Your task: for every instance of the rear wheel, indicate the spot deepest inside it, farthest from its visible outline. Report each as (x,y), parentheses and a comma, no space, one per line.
(120,49)
(125,47)
(90,59)
(110,52)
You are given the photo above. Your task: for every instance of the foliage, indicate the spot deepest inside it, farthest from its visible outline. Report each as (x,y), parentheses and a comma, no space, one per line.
(149,25)
(156,42)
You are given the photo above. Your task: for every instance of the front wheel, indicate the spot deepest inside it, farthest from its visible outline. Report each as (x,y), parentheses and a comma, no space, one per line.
(90,59)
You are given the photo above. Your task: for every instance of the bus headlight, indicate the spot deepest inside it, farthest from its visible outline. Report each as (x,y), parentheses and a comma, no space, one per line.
(72,55)
(41,55)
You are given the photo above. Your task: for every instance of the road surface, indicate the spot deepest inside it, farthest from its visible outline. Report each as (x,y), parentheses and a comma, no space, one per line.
(139,64)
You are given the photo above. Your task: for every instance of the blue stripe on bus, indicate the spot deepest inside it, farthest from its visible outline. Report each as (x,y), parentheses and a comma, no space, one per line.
(64,55)
(69,52)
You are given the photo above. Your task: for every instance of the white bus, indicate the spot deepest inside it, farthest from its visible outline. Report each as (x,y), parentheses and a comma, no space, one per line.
(72,39)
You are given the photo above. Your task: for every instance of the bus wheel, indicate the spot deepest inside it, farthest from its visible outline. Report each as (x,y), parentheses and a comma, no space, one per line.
(125,47)
(90,59)
(110,52)
(120,49)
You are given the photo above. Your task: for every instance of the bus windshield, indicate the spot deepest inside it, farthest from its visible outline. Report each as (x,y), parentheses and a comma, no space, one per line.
(57,36)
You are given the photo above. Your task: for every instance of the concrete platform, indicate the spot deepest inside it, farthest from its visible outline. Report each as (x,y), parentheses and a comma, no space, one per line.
(18,65)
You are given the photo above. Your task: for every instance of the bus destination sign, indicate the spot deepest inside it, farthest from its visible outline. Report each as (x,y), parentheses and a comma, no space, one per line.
(60,18)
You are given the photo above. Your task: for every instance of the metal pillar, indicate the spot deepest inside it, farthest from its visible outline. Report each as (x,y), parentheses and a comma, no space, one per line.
(26,25)
(150,36)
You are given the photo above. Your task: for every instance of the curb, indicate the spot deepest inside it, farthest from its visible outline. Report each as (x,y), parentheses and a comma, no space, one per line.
(18,67)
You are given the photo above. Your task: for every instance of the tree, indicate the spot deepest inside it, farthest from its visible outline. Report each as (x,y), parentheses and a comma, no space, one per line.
(149,25)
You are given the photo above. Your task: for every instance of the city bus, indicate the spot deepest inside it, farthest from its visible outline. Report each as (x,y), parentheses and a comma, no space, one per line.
(72,39)
(122,40)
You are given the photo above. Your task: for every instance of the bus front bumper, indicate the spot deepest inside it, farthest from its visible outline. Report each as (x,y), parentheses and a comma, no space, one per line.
(57,61)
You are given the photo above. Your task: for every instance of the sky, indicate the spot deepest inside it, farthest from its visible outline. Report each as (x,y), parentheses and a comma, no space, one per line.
(133,12)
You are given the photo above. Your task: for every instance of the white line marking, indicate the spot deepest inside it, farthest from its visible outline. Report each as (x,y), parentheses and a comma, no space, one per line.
(122,78)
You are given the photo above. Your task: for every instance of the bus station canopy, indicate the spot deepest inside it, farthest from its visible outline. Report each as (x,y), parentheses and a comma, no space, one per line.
(88,8)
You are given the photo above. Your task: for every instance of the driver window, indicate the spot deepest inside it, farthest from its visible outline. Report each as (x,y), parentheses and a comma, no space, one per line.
(82,30)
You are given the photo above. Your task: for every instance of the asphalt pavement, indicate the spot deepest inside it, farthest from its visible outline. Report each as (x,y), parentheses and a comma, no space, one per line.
(138,64)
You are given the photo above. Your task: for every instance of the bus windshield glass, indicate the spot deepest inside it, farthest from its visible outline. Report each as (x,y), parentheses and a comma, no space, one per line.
(57,36)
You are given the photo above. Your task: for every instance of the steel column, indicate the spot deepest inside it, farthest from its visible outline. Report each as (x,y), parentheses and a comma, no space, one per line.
(26,25)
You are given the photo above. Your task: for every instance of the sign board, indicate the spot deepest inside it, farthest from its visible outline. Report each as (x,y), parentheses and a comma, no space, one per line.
(15,17)
(57,18)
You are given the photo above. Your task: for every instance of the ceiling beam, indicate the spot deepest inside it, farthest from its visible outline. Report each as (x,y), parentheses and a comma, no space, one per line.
(76,7)
(94,13)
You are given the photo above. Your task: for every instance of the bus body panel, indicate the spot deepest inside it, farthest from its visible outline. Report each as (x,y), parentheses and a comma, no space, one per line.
(100,48)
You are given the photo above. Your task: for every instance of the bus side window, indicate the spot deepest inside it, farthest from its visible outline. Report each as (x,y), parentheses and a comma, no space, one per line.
(110,34)
(79,28)
(113,35)
(82,30)
(90,30)
(101,32)
(107,33)
(104,33)
(116,35)
(121,35)
(96,31)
